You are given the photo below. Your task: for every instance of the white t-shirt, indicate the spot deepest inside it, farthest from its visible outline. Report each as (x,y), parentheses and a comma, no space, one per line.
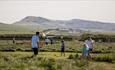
(35,39)
(47,40)
(89,43)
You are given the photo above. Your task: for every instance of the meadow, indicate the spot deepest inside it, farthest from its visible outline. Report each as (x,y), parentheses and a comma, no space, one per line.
(50,61)
(18,56)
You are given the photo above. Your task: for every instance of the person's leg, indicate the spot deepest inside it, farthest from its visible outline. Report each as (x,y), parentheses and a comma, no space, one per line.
(33,49)
(36,51)
(89,56)
(61,51)
(46,44)
(81,56)
(64,52)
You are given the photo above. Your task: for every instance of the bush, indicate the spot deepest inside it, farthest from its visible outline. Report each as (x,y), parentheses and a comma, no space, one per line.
(73,56)
(76,55)
(70,56)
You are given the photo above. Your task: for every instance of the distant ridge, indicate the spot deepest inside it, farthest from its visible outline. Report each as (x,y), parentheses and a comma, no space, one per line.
(44,23)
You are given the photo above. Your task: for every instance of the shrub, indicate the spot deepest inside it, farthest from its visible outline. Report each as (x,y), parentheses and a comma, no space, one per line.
(70,56)
(76,55)
(73,56)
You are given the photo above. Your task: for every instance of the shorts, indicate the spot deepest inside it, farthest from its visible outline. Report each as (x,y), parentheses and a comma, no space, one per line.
(51,42)
(46,43)
(85,53)
(90,49)
(35,50)
(62,49)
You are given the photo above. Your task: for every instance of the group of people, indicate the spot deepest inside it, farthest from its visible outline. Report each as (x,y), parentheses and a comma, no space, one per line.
(87,47)
(47,41)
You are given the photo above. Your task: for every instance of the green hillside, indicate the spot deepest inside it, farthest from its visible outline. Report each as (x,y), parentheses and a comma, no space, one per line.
(15,29)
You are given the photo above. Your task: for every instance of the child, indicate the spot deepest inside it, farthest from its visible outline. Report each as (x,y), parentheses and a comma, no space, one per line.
(62,47)
(46,41)
(84,51)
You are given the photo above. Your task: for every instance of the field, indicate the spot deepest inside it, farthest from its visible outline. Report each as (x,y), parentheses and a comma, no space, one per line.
(18,56)
(48,61)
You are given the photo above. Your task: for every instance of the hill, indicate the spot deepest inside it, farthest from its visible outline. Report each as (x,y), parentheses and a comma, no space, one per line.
(12,29)
(43,23)
(31,24)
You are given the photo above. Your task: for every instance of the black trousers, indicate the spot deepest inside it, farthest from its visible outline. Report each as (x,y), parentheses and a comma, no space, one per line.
(35,50)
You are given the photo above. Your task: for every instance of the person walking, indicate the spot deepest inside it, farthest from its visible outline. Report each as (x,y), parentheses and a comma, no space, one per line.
(35,43)
(89,45)
(84,51)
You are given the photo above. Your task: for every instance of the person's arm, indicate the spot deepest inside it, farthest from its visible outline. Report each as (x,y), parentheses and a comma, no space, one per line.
(38,42)
(30,43)
(92,42)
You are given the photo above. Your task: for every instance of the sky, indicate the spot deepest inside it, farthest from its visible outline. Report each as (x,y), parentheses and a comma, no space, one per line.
(96,10)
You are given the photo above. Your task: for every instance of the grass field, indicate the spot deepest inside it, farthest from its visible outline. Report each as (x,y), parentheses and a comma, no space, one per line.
(71,46)
(49,61)
(16,57)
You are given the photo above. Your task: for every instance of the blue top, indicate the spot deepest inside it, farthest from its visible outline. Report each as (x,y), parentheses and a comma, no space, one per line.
(35,39)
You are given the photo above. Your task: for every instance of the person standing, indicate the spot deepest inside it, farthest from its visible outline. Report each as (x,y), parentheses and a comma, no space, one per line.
(89,45)
(46,41)
(84,51)
(13,40)
(62,47)
(35,43)
(51,41)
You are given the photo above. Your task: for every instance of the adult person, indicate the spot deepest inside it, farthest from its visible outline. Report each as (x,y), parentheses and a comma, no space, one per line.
(89,45)
(35,43)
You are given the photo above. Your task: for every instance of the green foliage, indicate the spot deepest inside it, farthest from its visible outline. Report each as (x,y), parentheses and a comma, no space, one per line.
(76,55)
(70,46)
(24,61)
(103,58)
(49,64)
(81,63)
(98,37)
(71,56)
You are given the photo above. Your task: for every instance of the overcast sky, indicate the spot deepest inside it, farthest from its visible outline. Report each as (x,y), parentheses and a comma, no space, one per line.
(104,10)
